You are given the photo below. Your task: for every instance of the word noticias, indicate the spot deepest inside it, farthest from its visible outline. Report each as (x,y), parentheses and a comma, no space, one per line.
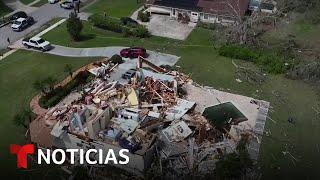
(59,156)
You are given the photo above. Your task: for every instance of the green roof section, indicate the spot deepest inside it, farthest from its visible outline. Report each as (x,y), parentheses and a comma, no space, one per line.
(224,114)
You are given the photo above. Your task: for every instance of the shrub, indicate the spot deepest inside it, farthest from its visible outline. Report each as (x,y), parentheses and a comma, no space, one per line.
(211,26)
(115,25)
(141,32)
(116,59)
(144,16)
(312,16)
(127,32)
(106,23)
(238,52)
(74,26)
(56,95)
(271,63)
(308,72)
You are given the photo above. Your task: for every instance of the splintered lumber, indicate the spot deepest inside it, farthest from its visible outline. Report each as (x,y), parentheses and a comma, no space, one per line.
(233,138)
(150,64)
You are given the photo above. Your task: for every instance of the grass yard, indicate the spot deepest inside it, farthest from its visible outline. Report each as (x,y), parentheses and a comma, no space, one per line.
(17,74)
(26,2)
(116,8)
(288,98)
(40,3)
(4,9)
(304,33)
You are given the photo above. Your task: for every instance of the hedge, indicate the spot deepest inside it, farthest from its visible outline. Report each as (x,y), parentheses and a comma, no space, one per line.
(115,25)
(107,23)
(55,96)
(271,63)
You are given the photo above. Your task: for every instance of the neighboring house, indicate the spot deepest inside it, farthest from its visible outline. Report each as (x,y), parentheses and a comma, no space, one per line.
(211,11)
(254,5)
(265,6)
(268,7)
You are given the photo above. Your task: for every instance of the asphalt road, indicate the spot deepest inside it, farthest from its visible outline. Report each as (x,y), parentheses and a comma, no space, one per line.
(42,15)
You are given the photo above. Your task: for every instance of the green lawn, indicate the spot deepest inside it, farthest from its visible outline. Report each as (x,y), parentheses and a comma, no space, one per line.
(4,9)
(288,98)
(17,73)
(116,8)
(40,3)
(26,2)
(305,34)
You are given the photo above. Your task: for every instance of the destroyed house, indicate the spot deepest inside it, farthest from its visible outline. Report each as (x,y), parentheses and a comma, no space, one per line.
(109,115)
(210,11)
(149,116)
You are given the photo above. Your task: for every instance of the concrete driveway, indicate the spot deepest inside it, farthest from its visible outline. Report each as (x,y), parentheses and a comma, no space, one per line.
(166,26)
(155,57)
(42,15)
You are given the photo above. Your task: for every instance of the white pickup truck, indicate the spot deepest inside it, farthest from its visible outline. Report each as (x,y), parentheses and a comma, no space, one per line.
(37,43)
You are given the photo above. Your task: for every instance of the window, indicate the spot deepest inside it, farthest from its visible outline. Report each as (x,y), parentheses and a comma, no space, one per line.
(205,16)
(40,41)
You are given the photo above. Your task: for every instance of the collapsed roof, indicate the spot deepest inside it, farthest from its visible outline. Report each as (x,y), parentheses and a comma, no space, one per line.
(147,112)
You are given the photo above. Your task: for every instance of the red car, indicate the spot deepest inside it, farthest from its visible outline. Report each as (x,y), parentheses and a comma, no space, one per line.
(133,52)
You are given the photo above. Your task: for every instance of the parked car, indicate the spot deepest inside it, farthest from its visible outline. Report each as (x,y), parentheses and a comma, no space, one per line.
(52,1)
(17,15)
(133,52)
(22,23)
(129,74)
(66,4)
(128,21)
(37,43)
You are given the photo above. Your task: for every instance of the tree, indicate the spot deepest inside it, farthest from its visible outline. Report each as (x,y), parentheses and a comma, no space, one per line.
(49,83)
(23,118)
(116,59)
(240,30)
(236,165)
(38,86)
(45,85)
(68,70)
(74,26)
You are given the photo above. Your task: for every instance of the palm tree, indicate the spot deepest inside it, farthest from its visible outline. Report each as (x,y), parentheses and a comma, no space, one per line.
(46,85)
(49,83)
(23,118)
(39,86)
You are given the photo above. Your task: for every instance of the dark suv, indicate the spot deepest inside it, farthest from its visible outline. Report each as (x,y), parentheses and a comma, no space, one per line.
(17,15)
(22,23)
(129,74)
(133,52)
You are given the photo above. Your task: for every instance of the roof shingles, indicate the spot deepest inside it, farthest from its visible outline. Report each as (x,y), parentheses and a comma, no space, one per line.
(218,7)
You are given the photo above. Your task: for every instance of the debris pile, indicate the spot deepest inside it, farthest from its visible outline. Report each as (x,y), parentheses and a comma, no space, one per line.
(147,115)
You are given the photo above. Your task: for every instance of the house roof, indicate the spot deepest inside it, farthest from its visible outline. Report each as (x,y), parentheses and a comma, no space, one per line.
(181,4)
(220,7)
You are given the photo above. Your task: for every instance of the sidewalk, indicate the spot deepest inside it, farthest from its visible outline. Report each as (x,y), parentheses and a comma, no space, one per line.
(18,44)
(16,5)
